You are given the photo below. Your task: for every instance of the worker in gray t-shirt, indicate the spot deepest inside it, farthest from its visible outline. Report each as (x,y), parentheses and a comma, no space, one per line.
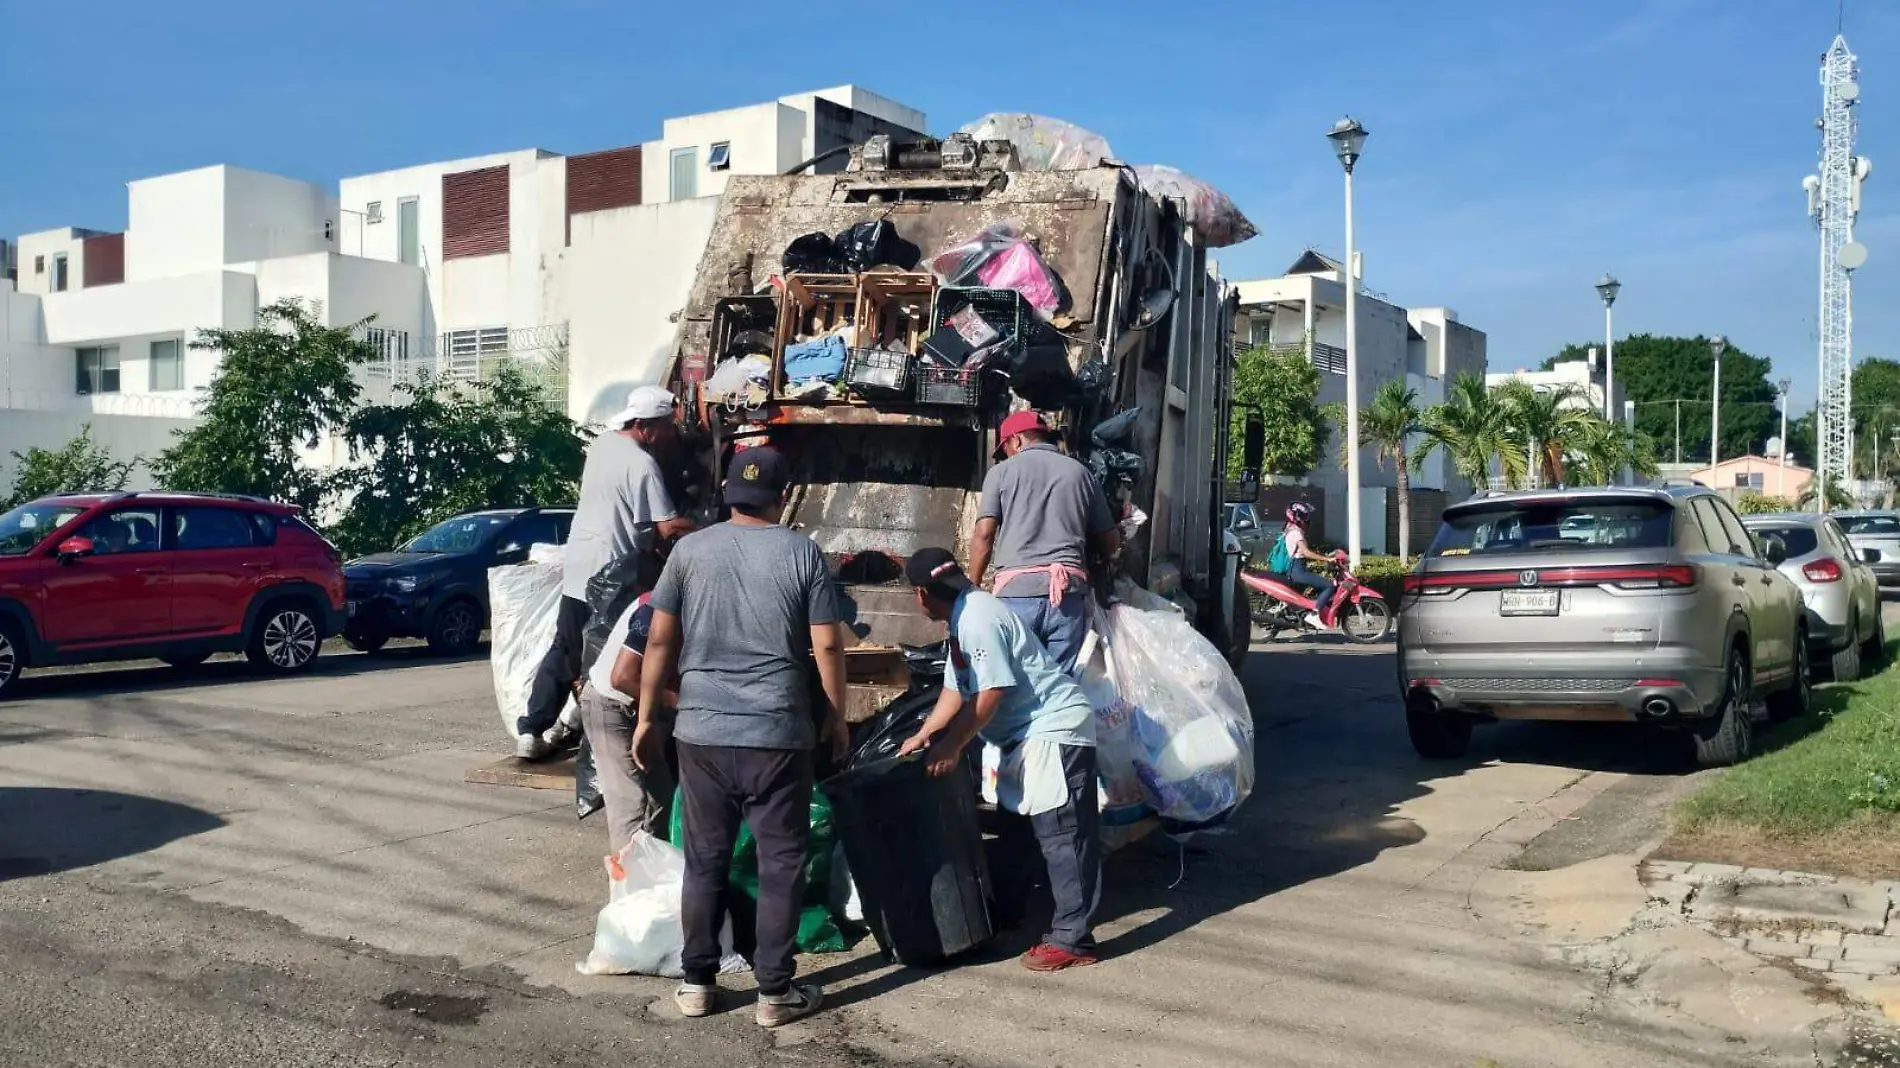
(739,612)
(1040,515)
(624,508)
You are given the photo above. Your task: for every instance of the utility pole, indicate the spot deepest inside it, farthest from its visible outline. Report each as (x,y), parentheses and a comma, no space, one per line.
(1678,430)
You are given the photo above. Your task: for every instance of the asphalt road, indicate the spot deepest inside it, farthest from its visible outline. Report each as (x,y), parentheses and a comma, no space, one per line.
(217,870)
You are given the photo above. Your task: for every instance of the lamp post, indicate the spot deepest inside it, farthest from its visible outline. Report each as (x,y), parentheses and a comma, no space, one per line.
(1717,346)
(1607,288)
(1348,137)
(1781,473)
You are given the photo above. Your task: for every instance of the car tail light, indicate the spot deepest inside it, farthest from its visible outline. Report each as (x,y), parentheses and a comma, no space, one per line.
(1622,576)
(1667,577)
(1824,570)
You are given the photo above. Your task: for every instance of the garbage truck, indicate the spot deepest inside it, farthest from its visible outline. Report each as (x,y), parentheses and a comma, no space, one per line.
(1088,298)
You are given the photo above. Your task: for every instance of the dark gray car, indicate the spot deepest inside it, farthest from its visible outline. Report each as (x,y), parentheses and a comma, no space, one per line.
(1646,605)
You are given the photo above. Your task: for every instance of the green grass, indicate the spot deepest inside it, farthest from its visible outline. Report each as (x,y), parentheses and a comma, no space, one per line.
(1837,767)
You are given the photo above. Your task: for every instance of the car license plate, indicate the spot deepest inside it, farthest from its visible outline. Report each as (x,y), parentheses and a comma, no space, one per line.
(1527,603)
(352,607)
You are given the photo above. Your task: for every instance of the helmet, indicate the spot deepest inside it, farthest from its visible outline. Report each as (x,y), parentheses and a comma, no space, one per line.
(1299,512)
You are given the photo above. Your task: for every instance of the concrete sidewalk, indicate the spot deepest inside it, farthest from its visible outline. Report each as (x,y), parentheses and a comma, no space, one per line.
(1352,916)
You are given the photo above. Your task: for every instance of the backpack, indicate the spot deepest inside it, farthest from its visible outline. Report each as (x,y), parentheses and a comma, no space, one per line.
(1280,558)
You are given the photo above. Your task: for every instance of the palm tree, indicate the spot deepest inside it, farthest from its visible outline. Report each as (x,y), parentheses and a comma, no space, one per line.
(1388,424)
(1603,450)
(1837,495)
(1473,429)
(1549,422)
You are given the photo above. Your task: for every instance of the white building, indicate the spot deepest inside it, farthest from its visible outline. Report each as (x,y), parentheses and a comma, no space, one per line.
(574,265)
(1305,308)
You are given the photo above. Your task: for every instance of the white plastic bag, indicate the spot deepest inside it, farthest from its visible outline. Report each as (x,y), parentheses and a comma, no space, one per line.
(1208,210)
(1193,730)
(733,377)
(601,674)
(1042,143)
(524,605)
(1118,775)
(842,895)
(638,932)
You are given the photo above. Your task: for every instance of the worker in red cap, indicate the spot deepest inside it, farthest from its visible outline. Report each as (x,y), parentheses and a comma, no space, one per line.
(1040,514)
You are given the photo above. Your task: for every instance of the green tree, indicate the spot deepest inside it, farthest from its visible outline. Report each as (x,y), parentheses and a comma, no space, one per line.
(1549,422)
(80,465)
(1876,392)
(1760,504)
(1657,371)
(445,447)
(281,386)
(1601,451)
(1388,423)
(1474,429)
(1282,385)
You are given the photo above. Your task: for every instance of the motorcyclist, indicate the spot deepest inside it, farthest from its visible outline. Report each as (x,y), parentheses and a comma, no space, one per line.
(1299,554)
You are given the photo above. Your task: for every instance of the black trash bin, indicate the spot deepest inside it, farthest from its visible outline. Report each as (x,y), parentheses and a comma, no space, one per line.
(916,855)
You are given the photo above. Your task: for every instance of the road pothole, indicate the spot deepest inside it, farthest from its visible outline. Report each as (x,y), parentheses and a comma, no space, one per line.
(436,1008)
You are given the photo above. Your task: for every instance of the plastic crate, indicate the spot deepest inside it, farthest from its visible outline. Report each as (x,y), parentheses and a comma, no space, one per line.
(1003,309)
(879,373)
(957,387)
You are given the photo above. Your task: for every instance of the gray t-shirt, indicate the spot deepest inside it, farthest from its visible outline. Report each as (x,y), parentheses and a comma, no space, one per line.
(747,598)
(622,497)
(1047,507)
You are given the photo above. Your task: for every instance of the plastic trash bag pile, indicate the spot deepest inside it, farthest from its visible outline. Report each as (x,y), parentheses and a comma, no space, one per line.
(1211,212)
(1042,143)
(817,931)
(639,932)
(998,257)
(524,603)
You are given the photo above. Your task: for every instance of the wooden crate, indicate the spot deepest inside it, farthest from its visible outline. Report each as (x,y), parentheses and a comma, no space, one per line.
(895,306)
(813,304)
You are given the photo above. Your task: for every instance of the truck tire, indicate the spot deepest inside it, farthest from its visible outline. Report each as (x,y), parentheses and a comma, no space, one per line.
(1241,628)
(1796,699)
(1437,735)
(1844,665)
(455,627)
(1729,736)
(12,656)
(285,637)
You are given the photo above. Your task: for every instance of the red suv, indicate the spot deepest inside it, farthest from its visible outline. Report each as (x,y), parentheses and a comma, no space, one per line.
(173,576)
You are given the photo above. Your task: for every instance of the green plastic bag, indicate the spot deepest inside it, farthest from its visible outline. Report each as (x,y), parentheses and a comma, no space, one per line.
(817,931)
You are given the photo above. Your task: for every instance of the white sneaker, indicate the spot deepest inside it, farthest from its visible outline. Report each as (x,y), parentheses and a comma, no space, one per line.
(1311,619)
(559,735)
(695,1001)
(795,1004)
(531,747)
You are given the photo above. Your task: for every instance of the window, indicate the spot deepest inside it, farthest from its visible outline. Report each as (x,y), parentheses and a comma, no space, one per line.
(408,230)
(685,185)
(392,351)
(532,530)
(1260,330)
(467,348)
(168,365)
(1798,540)
(98,369)
(1732,526)
(719,157)
(1508,527)
(59,272)
(1886,525)
(39,265)
(1715,529)
(129,530)
(373,212)
(211,528)
(1748,480)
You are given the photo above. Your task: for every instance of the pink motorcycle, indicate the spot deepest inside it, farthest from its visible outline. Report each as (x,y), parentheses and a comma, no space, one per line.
(1356,610)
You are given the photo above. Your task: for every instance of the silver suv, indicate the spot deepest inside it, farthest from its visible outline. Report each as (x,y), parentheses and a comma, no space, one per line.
(1627,604)
(1845,629)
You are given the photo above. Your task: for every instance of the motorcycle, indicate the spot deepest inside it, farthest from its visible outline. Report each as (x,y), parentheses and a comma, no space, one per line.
(1356,610)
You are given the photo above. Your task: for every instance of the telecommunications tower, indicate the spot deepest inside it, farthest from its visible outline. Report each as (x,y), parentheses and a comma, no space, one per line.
(1833,201)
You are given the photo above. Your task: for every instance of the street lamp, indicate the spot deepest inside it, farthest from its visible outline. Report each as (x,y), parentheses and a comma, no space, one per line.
(1781,475)
(1348,137)
(1717,346)
(1607,288)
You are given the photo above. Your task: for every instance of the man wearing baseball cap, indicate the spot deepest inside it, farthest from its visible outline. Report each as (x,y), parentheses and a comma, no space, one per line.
(1010,691)
(1041,512)
(740,609)
(624,508)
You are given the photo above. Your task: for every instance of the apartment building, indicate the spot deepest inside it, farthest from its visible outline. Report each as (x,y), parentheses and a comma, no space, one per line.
(572,266)
(1304,309)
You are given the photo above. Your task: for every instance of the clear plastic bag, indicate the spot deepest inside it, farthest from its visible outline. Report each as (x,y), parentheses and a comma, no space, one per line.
(1209,211)
(1042,143)
(638,932)
(732,377)
(1193,730)
(999,258)
(524,605)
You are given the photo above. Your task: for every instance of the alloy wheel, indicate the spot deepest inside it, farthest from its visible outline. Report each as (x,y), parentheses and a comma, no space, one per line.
(9,660)
(290,638)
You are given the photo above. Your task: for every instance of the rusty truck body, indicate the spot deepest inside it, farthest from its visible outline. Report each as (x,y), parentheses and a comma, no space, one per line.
(878,481)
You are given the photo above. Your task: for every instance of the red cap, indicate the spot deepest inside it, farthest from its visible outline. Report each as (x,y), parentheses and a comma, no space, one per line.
(1019,423)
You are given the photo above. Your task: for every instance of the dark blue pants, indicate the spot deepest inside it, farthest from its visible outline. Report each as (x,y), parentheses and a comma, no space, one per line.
(1070,840)
(1306,576)
(1061,629)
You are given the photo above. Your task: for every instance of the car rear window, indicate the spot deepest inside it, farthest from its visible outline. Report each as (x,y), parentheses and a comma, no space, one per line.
(1547,526)
(1800,540)
(1870,524)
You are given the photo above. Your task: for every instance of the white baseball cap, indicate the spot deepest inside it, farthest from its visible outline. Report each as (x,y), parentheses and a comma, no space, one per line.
(646,402)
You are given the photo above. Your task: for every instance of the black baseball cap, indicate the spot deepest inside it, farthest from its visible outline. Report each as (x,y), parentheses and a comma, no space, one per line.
(937,571)
(757,477)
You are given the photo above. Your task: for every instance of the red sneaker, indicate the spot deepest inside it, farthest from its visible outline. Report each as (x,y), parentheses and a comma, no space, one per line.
(1049,958)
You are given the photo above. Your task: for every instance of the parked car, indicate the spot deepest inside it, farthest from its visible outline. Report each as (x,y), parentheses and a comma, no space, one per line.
(1837,585)
(1658,609)
(1878,532)
(1254,530)
(436,585)
(87,578)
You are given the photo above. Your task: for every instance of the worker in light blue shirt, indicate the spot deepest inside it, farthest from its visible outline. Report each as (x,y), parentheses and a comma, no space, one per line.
(1010,691)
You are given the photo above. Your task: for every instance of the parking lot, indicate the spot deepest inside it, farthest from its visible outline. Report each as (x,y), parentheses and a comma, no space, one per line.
(217,869)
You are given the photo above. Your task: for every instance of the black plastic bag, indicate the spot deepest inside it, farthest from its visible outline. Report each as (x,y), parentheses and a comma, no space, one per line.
(879,737)
(926,664)
(1040,373)
(610,591)
(1116,430)
(814,253)
(587,797)
(875,243)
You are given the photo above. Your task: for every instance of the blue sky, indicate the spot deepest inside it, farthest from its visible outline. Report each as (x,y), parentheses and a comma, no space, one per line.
(1517,150)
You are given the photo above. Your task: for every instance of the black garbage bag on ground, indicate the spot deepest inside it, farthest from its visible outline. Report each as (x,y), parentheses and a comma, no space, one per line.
(813,253)
(587,798)
(876,243)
